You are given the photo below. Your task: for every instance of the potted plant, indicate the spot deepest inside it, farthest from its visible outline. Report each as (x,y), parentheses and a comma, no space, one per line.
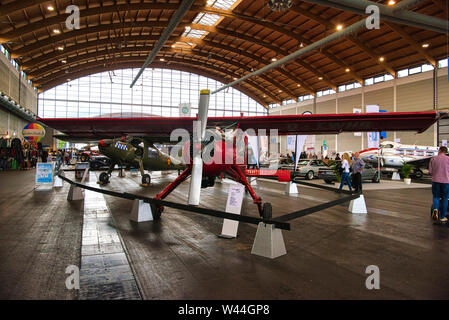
(336,166)
(405,171)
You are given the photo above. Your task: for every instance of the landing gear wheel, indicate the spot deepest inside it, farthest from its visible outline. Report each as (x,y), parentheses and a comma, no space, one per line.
(84,158)
(156,211)
(310,175)
(146,179)
(376,178)
(418,174)
(104,177)
(267,211)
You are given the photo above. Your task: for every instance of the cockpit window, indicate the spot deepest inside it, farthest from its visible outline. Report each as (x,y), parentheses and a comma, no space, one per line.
(387,146)
(152,154)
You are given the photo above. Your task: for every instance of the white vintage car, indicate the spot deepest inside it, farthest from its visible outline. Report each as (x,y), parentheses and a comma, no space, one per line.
(307,168)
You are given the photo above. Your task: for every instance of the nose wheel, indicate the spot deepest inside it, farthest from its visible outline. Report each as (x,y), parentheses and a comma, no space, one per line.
(104,178)
(146,179)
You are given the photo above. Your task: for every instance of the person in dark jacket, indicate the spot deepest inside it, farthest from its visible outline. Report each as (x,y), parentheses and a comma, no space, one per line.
(357,167)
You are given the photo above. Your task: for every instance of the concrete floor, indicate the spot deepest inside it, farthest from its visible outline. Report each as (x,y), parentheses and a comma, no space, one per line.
(181,257)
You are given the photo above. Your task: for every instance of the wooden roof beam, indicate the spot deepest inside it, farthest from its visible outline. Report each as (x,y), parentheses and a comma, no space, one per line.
(60,18)
(264,44)
(329,25)
(415,45)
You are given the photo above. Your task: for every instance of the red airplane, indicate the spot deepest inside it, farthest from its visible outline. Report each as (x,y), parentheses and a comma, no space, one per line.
(203,174)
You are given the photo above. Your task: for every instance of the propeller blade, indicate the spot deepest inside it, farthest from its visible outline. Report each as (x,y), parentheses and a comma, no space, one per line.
(199,134)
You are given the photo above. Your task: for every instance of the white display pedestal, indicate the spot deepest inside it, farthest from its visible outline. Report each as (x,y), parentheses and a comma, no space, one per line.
(233,205)
(291,188)
(396,176)
(58,183)
(141,211)
(358,205)
(269,242)
(75,193)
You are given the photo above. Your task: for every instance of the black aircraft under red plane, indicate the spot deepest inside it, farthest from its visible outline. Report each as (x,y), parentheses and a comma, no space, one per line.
(160,129)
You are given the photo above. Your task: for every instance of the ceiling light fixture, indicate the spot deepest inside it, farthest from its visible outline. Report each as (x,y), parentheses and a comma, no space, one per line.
(50,8)
(274,59)
(320,78)
(347,70)
(425,45)
(381,59)
(339,27)
(391,3)
(57,31)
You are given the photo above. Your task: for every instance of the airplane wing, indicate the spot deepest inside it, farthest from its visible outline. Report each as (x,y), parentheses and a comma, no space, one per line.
(161,127)
(421,163)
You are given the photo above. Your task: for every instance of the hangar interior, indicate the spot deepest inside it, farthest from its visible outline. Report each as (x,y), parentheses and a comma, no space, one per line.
(75,60)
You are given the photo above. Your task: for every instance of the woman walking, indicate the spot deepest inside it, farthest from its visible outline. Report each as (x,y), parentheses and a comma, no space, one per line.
(345,165)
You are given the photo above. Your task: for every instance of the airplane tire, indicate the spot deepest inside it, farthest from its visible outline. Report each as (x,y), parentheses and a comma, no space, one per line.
(146,179)
(267,211)
(84,158)
(418,174)
(104,177)
(376,178)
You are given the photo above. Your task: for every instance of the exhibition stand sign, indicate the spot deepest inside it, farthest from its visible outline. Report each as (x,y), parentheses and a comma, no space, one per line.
(44,176)
(233,205)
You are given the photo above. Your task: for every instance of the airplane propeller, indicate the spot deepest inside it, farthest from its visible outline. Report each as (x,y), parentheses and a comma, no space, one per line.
(197,161)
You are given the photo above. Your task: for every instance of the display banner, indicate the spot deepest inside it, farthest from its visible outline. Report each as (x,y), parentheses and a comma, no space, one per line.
(300,141)
(254,145)
(291,143)
(373,137)
(44,176)
(263,149)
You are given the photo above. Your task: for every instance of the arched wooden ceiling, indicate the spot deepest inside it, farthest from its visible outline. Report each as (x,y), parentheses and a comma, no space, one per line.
(119,33)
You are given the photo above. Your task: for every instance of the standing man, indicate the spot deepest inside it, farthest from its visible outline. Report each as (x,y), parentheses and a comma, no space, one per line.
(357,167)
(439,169)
